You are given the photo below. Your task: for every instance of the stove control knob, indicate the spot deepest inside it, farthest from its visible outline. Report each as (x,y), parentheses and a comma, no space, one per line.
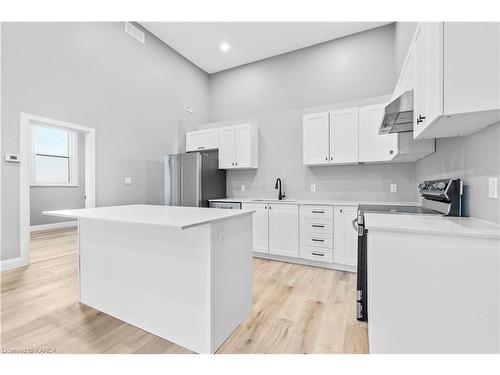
(441,186)
(422,186)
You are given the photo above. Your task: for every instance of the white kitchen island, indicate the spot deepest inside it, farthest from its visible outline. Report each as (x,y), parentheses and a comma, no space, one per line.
(181,273)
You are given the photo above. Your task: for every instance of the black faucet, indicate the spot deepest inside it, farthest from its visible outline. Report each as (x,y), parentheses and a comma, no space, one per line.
(278,186)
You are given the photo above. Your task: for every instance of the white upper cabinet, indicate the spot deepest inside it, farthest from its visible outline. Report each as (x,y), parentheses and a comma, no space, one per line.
(316,139)
(457,78)
(344,136)
(374,147)
(202,140)
(238,146)
(227,141)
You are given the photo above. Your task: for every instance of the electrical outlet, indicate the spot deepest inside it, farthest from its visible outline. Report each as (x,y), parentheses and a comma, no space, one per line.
(243,187)
(394,188)
(493,188)
(313,188)
(128,180)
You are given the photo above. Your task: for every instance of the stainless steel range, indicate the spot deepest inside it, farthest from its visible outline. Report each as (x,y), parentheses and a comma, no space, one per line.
(440,197)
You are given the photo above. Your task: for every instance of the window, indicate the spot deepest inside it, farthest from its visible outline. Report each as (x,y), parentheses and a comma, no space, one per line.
(54,159)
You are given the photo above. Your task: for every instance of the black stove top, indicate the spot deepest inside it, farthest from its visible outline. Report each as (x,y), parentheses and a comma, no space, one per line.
(396,209)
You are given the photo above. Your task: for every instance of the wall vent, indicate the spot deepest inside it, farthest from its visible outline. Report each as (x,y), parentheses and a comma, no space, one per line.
(134,32)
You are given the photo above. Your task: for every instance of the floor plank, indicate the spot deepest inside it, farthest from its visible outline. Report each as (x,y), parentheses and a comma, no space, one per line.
(296,309)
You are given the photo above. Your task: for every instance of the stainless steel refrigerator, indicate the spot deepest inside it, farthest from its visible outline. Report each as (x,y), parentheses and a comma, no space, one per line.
(193,178)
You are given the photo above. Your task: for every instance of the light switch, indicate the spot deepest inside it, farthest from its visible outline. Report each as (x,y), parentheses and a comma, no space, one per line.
(313,188)
(128,180)
(394,188)
(493,188)
(243,187)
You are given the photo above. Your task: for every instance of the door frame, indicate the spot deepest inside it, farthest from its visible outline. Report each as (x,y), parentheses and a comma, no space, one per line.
(26,120)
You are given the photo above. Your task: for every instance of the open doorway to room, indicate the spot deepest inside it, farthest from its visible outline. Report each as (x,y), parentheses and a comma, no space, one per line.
(57,172)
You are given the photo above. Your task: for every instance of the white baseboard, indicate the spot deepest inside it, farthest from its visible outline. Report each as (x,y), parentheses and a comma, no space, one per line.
(12,263)
(64,224)
(306,262)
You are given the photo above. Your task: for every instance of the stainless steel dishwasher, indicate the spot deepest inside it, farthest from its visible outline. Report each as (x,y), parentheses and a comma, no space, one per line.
(226,205)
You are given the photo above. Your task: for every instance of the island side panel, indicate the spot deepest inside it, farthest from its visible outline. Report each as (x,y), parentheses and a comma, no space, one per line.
(422,297)
(152,277)
(231,276)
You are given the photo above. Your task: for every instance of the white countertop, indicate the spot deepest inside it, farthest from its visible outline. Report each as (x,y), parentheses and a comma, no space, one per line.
(309,201)
(168,216)
(460,226)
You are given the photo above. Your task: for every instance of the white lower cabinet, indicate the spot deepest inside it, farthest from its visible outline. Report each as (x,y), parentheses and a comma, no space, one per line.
(345,235)
(320,233)
(284,229)
(260,226)
(316,233)
(275,228)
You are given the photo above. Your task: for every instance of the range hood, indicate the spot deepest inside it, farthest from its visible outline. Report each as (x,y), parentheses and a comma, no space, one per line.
(398,116)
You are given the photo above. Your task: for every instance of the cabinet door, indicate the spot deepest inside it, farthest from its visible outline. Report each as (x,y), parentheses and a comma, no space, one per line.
(227,148)
(344,136)
(260,226)
(428,91)
(374,147)
(243,141)
(315,139)
(284,229)
(345,237)
(202,140)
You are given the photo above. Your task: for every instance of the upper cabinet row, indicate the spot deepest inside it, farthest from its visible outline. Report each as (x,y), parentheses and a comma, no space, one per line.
(454,71)
(238,145)
(350,136)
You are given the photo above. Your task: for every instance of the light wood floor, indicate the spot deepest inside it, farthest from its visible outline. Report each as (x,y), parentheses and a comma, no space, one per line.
(297,309)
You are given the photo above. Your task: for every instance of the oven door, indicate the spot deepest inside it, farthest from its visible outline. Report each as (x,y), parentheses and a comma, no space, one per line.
(362,282)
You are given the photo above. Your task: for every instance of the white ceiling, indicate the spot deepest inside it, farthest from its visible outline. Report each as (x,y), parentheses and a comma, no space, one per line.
(250,41)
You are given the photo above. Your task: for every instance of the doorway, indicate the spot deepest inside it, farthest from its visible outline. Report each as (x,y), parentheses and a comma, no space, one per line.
(61,171)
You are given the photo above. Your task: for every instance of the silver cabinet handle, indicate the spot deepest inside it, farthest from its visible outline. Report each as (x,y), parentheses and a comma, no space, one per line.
(317,240)
(318,254)
(317,226)
(317,212)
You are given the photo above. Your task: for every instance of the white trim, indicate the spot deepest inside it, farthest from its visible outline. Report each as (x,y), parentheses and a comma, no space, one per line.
(62,224)
(25,175)
(12,263)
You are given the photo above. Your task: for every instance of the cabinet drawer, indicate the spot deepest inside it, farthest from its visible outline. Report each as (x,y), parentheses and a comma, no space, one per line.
(317,225)
(318,254)
(318,240)
(322,212)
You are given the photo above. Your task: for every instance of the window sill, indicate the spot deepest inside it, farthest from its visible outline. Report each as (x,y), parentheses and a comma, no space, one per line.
(55,185)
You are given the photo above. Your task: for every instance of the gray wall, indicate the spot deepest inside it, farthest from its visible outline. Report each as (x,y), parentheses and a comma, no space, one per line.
(474,158)
(93,74)
(280,155)
(403,34)
(276,92)
(357,66)
(44,198)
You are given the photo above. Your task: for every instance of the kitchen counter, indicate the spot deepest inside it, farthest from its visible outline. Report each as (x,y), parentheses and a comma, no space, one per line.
(181,273)
(318,202)
(454,226)
(166,216)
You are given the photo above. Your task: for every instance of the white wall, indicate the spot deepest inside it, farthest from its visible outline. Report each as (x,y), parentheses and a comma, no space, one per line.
(276,92)
(350,68)
(280,155)
(93,74)
(474,159)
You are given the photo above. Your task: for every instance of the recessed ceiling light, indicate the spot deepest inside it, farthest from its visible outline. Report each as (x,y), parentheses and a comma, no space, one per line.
(224,46)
